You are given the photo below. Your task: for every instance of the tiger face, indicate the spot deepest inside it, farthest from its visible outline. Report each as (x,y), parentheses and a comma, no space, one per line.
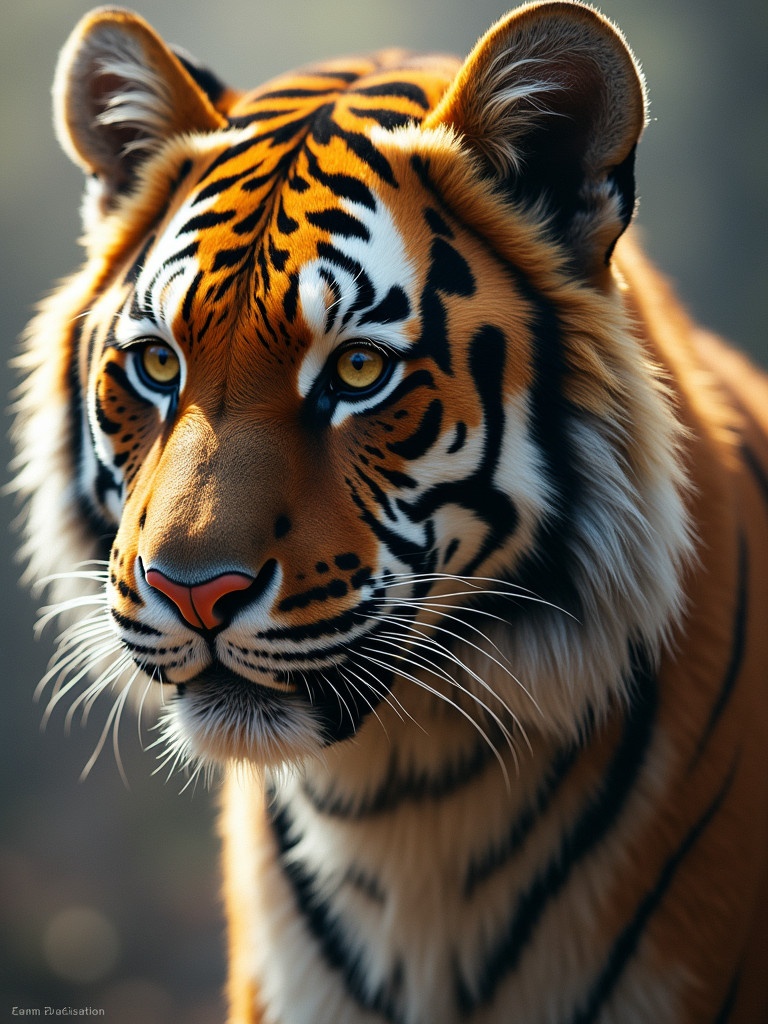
(348,387)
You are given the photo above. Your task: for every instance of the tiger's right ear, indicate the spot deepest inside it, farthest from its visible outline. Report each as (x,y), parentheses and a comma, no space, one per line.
(119,93)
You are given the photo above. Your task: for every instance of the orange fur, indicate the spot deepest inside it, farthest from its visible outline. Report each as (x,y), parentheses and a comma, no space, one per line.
(561,811)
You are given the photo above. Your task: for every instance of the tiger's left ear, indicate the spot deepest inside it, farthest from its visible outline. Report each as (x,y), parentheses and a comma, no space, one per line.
(119,93)
(552,102)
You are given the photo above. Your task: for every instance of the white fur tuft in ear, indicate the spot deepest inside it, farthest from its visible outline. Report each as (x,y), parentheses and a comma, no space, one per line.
(142,103)
(552,103)
(119,93)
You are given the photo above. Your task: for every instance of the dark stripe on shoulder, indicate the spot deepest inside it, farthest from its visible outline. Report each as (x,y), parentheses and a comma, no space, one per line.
(724,1013)
(759,473)
(334,945)
(494,858)
(626,944)
(593,825)
(736,659)
(408,786)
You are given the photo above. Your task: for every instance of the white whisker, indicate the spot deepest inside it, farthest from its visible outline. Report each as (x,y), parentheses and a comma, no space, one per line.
(64,607)
(403,620)
(396,705)
(90,657)
(422,684)
(438,649)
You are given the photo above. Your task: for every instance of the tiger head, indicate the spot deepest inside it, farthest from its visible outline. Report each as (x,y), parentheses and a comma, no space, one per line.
(345,392)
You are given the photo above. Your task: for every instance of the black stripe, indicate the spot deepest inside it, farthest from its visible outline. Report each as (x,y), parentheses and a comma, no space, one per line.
(233,257)
(404,784)
(337,949)
(389,119)
(392,308)
(594,824)
(736,659)
(338,222)
(291,298)
(760,475)
(335,626)
(134,627)
(548,570)
(215,188)
(209,82)
(285,225)
(78,428)
(344,186)
(477,492)
(399,90)
(138,264)
(365,291)
(324,129)
(423,437)
(495,858)
(120,377)
(204,221)
(627,941)
(297,94)
(418,557)
(724,1013)
(458,442)
(249,223)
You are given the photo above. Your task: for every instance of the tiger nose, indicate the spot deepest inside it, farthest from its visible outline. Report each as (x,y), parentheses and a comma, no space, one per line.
(197,602)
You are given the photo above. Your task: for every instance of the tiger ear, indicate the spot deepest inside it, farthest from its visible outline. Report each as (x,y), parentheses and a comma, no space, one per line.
(552,102)
(119,93)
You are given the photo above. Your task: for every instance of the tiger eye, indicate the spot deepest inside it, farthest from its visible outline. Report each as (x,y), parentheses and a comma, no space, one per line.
(360,367)
(160,363)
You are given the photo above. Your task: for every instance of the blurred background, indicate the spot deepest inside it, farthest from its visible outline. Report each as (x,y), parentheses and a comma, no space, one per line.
(109,892)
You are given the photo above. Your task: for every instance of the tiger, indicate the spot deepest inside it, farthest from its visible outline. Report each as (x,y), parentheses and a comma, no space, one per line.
(368,438)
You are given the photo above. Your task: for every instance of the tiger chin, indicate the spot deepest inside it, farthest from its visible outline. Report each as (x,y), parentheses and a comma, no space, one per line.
(395,464)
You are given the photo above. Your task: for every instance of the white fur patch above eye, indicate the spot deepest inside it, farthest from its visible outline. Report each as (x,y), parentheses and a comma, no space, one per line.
(330,293)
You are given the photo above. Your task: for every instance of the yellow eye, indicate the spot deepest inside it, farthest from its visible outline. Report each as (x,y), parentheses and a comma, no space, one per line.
(359,367)
(159,365)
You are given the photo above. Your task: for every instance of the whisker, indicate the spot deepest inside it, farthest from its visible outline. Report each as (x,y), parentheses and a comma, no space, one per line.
(422,684)
(63,607)
(91,658)
(86,699)
(362,696)
(396,705)
(516,595)
(396,640)
(112,723)
(399,619)
(440,650)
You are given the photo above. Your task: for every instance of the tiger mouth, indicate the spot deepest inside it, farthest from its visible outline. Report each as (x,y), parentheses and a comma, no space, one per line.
(336,704)
(220,679)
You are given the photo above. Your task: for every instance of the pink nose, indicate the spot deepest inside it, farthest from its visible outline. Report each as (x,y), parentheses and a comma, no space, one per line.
(197,603)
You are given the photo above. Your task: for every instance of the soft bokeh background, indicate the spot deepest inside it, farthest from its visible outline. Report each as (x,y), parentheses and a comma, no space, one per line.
(108,893)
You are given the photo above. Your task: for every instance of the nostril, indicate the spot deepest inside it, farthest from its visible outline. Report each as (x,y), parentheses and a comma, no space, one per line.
(207,597)
(230,603)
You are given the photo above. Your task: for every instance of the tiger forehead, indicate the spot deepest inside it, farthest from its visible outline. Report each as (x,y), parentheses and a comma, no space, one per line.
(302,231)
(303,149)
